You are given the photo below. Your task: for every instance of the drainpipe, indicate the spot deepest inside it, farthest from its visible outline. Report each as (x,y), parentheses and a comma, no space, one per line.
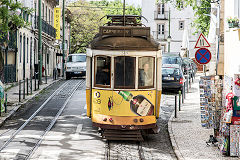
(40,41)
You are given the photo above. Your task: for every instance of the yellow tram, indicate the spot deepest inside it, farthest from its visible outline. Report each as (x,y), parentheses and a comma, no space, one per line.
(124,80)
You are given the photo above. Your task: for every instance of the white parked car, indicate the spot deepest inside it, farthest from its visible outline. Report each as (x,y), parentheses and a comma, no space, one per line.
(76,65)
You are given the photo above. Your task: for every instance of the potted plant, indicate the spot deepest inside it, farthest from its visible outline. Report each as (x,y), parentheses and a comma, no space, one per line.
(233,22)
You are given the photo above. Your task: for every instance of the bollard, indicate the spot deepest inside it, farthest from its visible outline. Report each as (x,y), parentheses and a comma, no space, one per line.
(53,74)
(187,85)
(19,85)
(189,78)
(35,80)
(24,88)
(183,93)
(38,83)
(31,84)
(185,90)
(175,106)
(46,77)
(27,86)
(5,104)
(179,100)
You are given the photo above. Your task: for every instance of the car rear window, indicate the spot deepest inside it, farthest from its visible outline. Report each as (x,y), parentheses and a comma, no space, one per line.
(170,71)
(76,58)
(171,60)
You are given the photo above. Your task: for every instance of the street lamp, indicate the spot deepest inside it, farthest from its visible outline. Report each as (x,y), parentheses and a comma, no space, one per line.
(169,38)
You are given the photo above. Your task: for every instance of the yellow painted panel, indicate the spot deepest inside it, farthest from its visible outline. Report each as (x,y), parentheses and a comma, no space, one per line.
(88,101)
(159,95)
(57,15)
(124,120)
(123,103)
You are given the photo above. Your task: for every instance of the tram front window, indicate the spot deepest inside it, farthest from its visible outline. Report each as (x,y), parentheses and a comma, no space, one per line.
(103,71)
(125,72)
(146,72)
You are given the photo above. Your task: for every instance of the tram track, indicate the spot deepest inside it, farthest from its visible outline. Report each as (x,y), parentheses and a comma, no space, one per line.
(43,119)
(133,150)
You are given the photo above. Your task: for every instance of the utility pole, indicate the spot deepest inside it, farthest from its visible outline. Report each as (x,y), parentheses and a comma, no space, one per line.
(6,54)
(63,41)
(40,41)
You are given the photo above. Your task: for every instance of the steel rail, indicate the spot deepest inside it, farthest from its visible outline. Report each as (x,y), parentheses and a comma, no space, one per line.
(53,121)
(140,151)
(33,115)
(107,150)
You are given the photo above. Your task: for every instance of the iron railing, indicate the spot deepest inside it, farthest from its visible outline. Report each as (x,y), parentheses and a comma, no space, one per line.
(161,15)
(160,35)
(9,73)
(46,28)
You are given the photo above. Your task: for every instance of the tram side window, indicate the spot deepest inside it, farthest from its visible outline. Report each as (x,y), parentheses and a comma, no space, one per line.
(145,72)
(125,72)
(103,71)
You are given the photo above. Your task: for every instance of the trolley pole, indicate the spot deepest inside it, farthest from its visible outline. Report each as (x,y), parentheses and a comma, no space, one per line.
(63,41)
(40,41)
(124,20)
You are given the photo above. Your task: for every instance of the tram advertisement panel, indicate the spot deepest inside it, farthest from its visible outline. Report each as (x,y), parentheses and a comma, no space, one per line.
(123,103)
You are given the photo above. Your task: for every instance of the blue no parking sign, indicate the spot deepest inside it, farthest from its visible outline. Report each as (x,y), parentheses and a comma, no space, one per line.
(203,56)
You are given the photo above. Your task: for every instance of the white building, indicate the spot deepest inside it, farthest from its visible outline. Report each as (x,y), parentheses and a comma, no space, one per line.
(231,39)
(181,32)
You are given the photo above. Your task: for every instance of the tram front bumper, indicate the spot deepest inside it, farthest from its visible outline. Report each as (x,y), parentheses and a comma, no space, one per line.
(124,122)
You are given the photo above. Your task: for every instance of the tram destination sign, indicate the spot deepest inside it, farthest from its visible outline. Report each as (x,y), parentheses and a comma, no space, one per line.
(125,31)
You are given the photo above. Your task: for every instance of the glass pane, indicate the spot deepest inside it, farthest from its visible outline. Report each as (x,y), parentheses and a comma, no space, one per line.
(125,72)
(146,72)
(77,58)
(170,71)
(103,70)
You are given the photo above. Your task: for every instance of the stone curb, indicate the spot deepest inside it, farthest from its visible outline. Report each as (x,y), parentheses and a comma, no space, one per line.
(172,139)
(18,106)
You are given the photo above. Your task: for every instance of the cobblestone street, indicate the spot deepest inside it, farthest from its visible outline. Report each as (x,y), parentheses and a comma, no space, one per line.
(155,146)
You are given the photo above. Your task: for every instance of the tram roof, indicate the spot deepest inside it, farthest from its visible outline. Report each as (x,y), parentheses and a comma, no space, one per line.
(124,38)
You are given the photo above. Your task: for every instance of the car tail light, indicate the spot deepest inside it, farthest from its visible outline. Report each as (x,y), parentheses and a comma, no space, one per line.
(181,81)
(110,119)
(104,119)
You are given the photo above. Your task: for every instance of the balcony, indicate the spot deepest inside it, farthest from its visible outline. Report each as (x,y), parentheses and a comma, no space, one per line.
(160,35)
(161,15)
(46,28)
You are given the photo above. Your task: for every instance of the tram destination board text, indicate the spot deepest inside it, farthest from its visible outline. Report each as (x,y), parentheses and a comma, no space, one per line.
(125,31)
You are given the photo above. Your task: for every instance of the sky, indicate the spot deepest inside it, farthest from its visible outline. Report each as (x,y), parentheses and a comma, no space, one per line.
(131,2)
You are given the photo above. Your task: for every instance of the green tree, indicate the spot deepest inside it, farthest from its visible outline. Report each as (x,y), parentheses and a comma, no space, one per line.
(84,25)
(116,7)
(88,16)
(10,20)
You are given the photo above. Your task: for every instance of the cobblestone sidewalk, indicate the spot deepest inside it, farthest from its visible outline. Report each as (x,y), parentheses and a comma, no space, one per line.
(187,135)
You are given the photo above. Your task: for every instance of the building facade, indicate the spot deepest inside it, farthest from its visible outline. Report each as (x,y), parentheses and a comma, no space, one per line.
(165,19)
(23,57)
(231,39)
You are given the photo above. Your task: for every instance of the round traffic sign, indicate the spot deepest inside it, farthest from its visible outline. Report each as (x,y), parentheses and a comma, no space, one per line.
(203,56)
